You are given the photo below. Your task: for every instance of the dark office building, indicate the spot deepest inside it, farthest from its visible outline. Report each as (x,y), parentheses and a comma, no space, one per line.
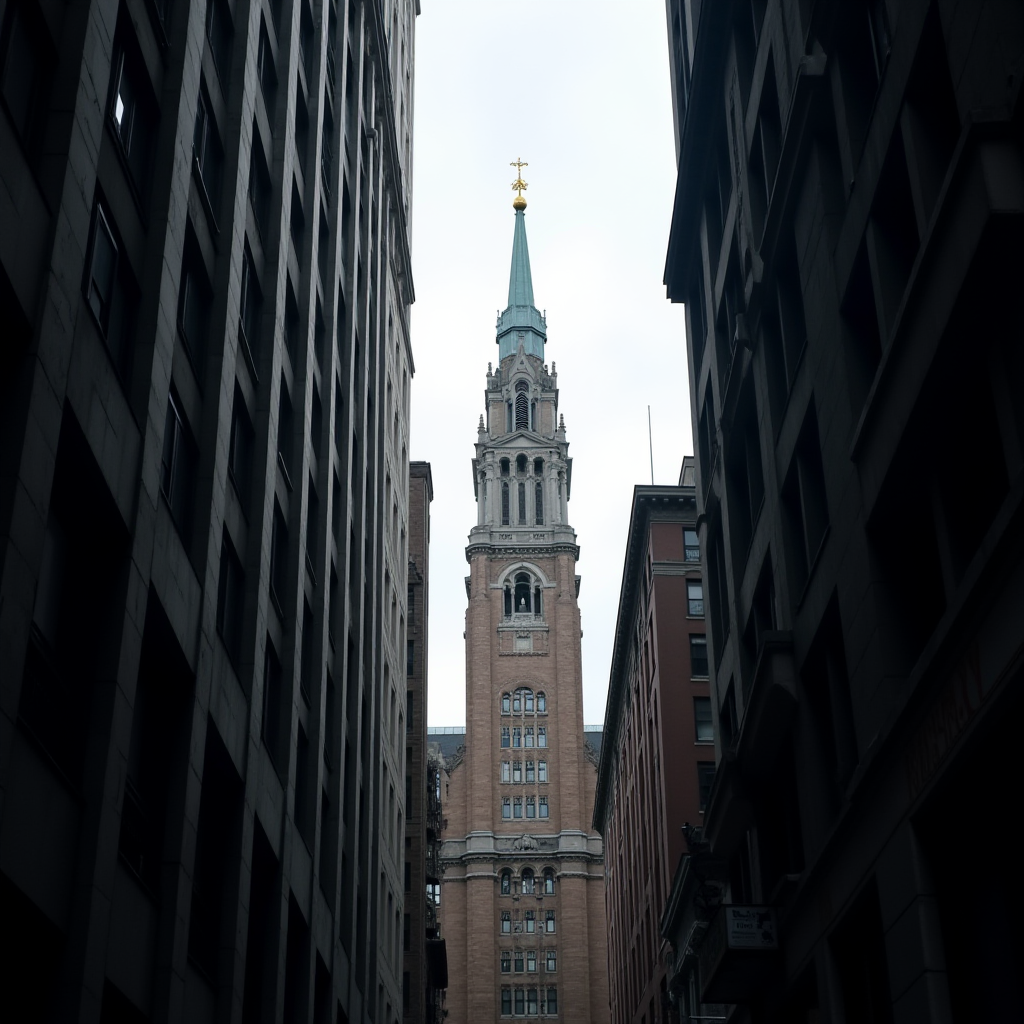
(423,947)
(847,238)
(204,384)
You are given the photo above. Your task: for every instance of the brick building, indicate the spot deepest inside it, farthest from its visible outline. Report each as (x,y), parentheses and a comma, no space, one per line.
(847,239)
(204,384)
(522,904)
(658,754)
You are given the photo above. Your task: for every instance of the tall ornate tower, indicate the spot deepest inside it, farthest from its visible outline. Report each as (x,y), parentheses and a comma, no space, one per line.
(523,893)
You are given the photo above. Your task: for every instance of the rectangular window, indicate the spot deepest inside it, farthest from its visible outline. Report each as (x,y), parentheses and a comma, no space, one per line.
(506,808)
(531,808)
(698,654)
(131,113)
(549,921)
(519,961)
(517,807)
(506,961)
(517,771)
(695,598)
(552,962)
(517,736)
(110,290)
(410,657)
(530,917)
(504,736)
(529,736)
(530,773)
(506,922)
(542,736)
(531,993)
(241,447)
(538,504)
(552,1001)
(691,545)
(506,771)
(705,777)
(542,771)
(178,467)
(531,968)
(520,1001)
(278,559)
(23,63)
(249,310)
(207,152)
(506,1001)
(230,595)
(194,301)
(218,32)
(703,725)
(504,505)
(543,806)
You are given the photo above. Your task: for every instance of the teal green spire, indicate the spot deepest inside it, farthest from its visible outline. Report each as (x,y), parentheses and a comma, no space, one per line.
(520,282)
(521,322)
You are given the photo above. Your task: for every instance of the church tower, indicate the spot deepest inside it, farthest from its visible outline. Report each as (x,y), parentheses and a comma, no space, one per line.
(523,893)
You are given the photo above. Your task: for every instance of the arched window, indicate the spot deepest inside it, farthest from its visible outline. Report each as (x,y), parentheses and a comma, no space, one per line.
(549,881)
(504,467)
(538,503)
(522,595)
(522,405)
(504,504)
(506,883)
(505,709)
(542,703)
(522,503)
(521,464)
(528,701)
(527,881)
(522,700)
(533,415)
(517,702)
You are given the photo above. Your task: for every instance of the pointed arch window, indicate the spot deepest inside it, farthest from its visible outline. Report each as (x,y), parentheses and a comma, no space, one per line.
(522,405)
(504,504)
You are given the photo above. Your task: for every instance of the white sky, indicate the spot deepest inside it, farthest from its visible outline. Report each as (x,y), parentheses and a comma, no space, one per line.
(580,90)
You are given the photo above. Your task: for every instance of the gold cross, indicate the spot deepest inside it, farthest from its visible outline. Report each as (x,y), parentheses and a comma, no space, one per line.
(519,184)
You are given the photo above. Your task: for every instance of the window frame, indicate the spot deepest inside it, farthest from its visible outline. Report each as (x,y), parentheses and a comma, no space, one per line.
(695,601)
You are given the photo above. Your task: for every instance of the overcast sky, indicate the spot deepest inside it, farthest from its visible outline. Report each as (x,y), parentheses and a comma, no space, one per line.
(581,92)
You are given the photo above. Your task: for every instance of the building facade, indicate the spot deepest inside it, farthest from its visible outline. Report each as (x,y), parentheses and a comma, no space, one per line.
(422,785)
(846,237)
(658,752)
(204,290)
(522,902)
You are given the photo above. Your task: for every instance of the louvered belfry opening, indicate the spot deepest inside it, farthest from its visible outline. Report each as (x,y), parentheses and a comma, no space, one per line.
(522,406)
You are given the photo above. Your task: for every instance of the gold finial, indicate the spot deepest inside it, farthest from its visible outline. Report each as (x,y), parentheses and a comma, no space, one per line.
(519,203)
